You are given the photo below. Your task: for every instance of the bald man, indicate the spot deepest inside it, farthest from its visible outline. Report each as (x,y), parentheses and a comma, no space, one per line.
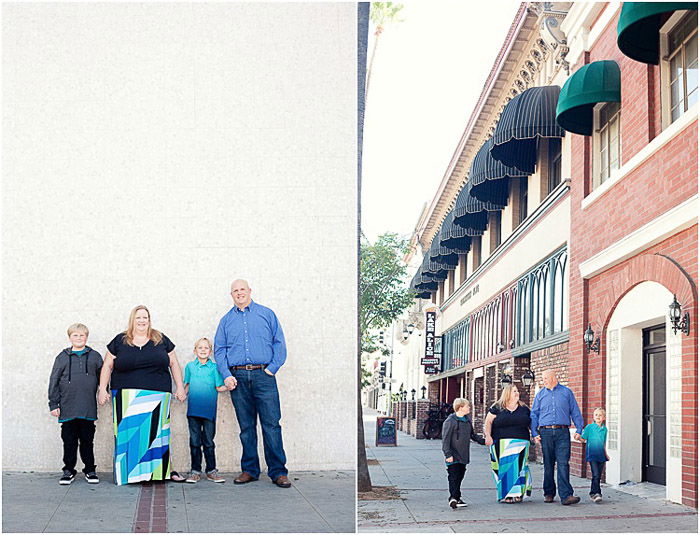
(551,415)
(249,349)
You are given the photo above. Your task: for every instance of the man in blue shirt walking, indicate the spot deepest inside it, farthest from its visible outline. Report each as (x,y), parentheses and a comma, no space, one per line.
(552,412)
(249,349)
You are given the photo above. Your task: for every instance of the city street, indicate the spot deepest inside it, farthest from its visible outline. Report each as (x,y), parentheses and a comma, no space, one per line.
(416,468)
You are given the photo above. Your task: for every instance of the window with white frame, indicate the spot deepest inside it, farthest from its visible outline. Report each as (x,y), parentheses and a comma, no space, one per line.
(606,145)
(681,65)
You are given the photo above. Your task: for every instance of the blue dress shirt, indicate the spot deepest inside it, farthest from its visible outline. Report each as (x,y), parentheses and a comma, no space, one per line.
(249,336)
(555,407)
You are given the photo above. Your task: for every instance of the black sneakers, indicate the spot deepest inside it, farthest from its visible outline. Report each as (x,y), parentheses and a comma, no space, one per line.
(460,503)
(91,477)
(453,503)
(67,478)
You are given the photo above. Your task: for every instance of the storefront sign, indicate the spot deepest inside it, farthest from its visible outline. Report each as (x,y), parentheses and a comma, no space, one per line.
(431,361)
(429,334)
(432,370)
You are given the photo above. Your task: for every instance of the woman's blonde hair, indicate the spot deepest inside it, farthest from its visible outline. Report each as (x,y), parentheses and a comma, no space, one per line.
(204,338)
(505,396)
(155,336)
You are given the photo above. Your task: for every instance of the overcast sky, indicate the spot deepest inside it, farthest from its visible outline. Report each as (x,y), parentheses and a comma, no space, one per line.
(427,75)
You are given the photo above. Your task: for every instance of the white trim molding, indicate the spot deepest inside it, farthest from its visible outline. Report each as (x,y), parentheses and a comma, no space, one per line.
(679,218)
(656,144)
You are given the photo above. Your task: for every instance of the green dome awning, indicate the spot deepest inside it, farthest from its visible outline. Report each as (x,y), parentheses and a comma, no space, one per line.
(593,83)
(638,28)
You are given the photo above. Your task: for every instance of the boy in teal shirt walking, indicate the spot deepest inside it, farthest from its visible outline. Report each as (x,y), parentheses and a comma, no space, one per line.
(203,382)
(594,436)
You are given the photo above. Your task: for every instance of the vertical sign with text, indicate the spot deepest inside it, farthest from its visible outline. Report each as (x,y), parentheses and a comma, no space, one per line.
(430,361)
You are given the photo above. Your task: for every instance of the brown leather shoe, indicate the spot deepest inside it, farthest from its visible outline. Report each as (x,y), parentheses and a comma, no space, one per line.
(548,499)
(283,481)
(245,477)
(570,500)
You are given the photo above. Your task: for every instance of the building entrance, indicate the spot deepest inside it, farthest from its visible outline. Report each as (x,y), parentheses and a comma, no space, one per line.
(654,405)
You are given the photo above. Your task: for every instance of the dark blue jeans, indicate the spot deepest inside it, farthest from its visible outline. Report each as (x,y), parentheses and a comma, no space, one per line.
(255,397)
(556,447)
(202,431)
(596,472)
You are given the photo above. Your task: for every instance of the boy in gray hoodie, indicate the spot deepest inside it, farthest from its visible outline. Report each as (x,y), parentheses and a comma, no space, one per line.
(72,399)
(456,432)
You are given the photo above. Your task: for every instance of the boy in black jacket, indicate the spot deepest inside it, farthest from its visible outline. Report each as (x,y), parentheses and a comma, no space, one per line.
(72,399)
(456,432)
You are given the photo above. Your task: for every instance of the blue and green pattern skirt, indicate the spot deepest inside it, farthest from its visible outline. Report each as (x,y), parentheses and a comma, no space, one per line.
(510,469)
(141,435)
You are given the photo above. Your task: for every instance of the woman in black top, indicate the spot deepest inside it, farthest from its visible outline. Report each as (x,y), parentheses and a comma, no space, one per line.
(507,432)
(138,367)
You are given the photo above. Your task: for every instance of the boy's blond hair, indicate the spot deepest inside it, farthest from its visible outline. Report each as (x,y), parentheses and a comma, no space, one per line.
(460,402)
(211,346)
(599,409)
(78,327)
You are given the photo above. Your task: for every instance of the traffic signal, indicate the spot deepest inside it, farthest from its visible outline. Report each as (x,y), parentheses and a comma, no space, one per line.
(382,368)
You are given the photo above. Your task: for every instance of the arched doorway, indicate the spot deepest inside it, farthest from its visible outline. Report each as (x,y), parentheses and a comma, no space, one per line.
(643,390)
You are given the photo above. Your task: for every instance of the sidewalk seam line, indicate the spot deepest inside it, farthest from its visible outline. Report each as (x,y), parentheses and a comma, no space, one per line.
(315,509)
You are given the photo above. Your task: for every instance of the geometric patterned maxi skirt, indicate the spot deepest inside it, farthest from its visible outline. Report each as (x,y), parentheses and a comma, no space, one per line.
(510,470)
(141,435)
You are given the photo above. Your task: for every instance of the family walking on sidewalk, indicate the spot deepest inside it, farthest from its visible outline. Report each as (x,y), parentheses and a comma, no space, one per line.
(508,427)
(138,372)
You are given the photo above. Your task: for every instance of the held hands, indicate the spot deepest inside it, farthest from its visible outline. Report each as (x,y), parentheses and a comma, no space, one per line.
(102,396)
(56,413)
(230,382)
(578,437)
(488,440)
(180,394)
(538,439)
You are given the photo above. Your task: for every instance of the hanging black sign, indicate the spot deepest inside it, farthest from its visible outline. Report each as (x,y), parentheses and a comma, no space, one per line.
(429,334)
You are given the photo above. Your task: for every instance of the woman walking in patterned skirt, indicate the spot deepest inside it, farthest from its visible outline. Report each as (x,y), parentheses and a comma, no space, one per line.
(138,368)
(507,432)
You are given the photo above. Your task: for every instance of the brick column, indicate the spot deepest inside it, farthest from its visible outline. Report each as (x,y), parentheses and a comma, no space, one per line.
(422,406)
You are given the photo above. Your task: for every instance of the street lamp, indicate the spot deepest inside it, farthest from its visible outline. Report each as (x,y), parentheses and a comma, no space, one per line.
(413,394)
(674,313)
(588,337)
(423,389)
(405,333)
(410,328)
(528,377)
(506,379)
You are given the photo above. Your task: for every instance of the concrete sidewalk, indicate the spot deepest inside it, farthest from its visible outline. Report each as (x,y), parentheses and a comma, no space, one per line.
(416,468)
(317,502)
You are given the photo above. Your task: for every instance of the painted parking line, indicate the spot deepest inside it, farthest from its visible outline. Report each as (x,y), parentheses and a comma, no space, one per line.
(150,509)
(518,520)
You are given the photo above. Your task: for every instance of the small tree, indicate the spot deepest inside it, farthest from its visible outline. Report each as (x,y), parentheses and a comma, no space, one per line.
(383,297)
(381,14)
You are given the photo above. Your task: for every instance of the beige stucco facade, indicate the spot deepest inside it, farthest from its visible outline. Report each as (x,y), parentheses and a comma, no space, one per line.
(152,153)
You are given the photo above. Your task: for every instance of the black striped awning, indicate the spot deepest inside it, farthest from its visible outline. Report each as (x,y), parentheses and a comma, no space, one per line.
(471,213)
(442,254)
(423,282)
(453,236)
(527,117)
(489,178)
(437,270)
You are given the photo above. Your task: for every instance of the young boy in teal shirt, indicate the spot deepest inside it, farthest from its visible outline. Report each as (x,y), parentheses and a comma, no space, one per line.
(594,436)
(203,383)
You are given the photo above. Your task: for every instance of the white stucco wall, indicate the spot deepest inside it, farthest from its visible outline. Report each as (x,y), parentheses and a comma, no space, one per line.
(152,153)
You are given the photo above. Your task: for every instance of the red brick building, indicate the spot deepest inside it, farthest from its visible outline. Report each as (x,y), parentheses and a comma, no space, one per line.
(634,238)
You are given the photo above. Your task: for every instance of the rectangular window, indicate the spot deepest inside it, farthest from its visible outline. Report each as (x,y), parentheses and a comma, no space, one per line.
(608,149)
(522,200)
(683,65)
(554,164)
(476,251)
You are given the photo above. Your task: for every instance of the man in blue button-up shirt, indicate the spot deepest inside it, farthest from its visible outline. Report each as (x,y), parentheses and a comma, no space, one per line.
(551,415)
(249,349)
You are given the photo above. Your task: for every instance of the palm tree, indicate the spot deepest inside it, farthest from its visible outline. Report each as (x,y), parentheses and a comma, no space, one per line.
(381,14)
